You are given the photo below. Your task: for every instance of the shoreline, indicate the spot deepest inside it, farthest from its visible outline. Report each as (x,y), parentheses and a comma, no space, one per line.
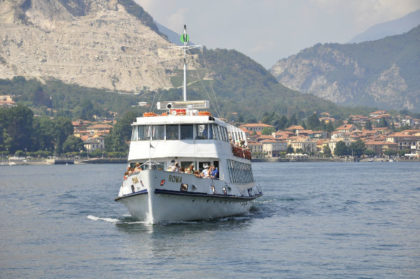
(64,161)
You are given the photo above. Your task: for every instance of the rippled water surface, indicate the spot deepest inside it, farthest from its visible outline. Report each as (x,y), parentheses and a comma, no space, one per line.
(315,220)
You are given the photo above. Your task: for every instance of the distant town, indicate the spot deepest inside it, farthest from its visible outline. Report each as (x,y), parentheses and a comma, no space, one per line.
(377,136)
(376,133)
(370,136)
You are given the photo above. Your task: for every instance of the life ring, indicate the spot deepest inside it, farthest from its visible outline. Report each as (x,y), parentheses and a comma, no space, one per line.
(206,113)
(149,114)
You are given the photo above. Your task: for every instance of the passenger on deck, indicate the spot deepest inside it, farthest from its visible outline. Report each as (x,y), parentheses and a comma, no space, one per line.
(176,167)
(137,168)
(171,166)
(214,173)
(205,172)
(190,169)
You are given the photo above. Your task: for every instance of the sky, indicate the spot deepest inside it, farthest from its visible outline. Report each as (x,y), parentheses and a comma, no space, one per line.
(268,30)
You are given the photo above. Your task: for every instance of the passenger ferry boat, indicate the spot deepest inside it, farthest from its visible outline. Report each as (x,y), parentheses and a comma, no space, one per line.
(185,164)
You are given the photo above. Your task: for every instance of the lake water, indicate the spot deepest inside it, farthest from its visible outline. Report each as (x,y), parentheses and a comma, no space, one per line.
(315,220)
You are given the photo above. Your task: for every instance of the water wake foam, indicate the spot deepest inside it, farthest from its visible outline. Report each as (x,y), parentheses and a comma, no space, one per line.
(127,221)
(110,220)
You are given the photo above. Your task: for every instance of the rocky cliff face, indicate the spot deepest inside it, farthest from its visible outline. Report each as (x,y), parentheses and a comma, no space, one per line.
(110,44)
(380,73)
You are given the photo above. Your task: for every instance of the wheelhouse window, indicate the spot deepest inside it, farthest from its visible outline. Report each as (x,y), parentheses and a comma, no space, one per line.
(202,131)
(172,132)
(187,132)
(216,132)
(211,131)
(141,132)
(135,133)
(158,132)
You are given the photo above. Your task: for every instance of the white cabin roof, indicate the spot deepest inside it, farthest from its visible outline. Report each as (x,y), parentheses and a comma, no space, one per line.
(178,119)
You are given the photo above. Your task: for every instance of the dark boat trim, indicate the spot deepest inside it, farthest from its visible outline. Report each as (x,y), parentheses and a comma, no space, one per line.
(142,192)
(205,195)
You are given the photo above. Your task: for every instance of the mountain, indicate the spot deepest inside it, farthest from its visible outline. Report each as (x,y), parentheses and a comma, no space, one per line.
(114,45)
(383,73)
(389,28)
(172,36)
(110,44)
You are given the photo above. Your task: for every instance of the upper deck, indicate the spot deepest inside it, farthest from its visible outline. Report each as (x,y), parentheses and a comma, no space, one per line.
(184,134)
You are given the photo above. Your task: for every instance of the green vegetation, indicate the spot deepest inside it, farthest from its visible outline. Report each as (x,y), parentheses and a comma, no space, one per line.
(21,132)
(268,131)
(120,134)
(327,151)
(55,98)
(355,149)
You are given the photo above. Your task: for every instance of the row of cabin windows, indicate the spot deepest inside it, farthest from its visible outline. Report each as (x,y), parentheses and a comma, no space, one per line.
(180,132)
(239,172)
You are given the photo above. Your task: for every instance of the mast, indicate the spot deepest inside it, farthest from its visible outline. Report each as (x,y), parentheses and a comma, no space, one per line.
(185,38)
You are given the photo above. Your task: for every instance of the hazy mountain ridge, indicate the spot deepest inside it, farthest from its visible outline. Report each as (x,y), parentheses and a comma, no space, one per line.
(389,28)
(382,73)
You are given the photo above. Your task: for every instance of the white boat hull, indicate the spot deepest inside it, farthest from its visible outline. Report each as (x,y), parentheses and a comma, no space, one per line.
(147,199)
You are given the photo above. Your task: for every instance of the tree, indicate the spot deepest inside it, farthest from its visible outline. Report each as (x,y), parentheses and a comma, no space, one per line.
(17,125)
(281,123)
(268,131)
(63,128)
(383,122)
(369,153)
(73,144)
(326,150)
(357,148)
(329,128)
(120,134)
(289,149)
(293,120)
(341,149)
(368,125)
(43,136)
(390,152)
(313,122)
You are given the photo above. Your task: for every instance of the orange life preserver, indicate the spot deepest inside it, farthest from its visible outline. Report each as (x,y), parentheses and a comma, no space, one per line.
(149,114)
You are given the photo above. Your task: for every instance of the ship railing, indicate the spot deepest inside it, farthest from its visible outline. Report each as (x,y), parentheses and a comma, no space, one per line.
(242,152)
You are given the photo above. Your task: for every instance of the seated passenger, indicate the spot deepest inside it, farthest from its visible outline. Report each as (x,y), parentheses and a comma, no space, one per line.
(190,169)
(171,166)
(205,172)
(137,168)
(214,173)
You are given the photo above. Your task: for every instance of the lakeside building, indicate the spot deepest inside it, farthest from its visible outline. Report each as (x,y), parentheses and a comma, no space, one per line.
(255,127)
(406,140)
(379,147)
(346,128)
(376,138)
(256,149)
(92,133)
(6,101)
(333,143)
(303,143)
(295,129)
(273,148)
(95,143)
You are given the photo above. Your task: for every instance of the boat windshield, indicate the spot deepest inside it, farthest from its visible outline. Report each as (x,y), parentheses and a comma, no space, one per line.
(180,132)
